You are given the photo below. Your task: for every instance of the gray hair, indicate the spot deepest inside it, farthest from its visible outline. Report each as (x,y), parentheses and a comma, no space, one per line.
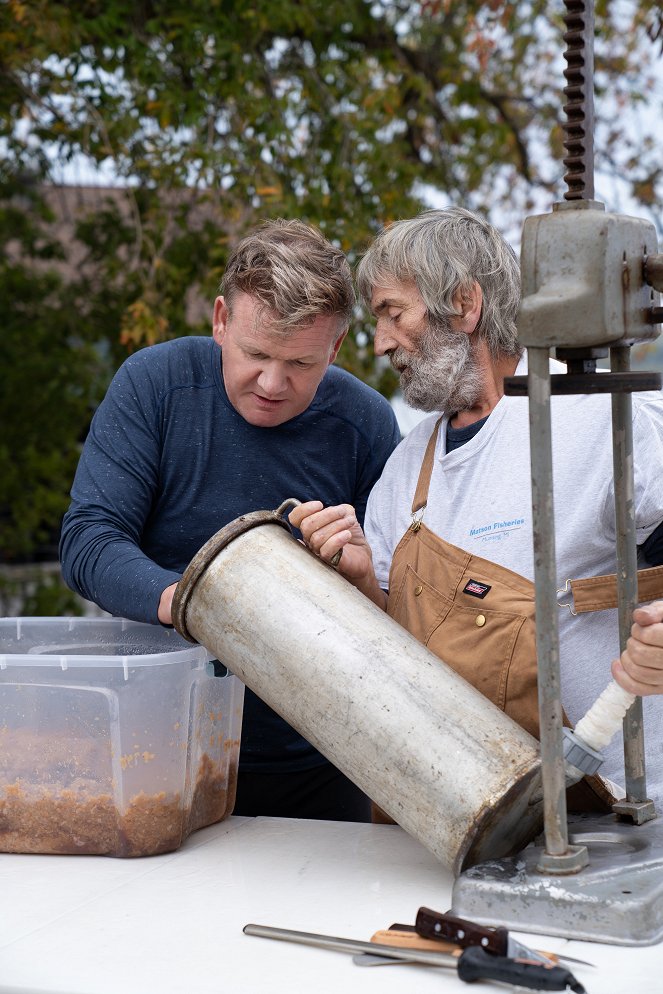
(443,252)
(294,272)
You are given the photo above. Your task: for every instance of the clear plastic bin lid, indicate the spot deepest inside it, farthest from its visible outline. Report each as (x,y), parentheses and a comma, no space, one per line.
(65,642)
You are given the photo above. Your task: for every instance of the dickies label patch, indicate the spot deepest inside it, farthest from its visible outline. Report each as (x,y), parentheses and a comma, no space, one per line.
(476,589)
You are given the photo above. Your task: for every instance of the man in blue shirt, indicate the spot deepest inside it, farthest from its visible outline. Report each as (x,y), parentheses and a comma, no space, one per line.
(197,431)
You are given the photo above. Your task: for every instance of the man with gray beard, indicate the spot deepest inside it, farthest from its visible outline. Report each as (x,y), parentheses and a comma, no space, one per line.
(448,545)
(442,374)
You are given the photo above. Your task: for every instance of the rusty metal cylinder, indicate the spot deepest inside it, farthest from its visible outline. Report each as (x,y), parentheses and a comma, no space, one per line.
(429,749)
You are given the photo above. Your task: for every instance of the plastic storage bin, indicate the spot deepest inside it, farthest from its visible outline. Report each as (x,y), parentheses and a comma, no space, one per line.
(115,737)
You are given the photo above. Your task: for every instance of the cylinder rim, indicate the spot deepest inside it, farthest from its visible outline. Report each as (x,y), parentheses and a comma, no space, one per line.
(208,552)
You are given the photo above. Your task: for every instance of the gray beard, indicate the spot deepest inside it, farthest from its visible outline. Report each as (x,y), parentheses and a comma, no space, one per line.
(441,375)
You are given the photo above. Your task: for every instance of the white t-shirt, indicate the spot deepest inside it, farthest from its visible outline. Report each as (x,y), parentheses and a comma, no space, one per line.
(480,501)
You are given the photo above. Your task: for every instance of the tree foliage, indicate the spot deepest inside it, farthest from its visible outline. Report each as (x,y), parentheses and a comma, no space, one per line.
(209,115)
(45,389)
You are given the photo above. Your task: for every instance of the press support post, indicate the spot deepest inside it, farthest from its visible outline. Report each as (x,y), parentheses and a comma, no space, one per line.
(636,805)
(559,856)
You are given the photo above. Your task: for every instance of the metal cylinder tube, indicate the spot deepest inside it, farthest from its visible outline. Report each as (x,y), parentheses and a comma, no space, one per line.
(442,760)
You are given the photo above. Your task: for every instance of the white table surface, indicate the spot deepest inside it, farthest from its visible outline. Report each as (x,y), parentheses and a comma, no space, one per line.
(173,924)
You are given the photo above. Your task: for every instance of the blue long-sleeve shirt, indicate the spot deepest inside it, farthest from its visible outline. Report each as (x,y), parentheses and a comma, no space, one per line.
(169,461)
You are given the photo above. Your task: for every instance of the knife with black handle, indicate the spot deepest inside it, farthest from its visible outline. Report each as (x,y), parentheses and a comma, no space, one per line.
(476,964)
(473,964)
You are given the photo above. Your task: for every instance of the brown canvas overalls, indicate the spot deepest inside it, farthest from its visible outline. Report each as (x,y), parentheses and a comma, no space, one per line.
(479,618)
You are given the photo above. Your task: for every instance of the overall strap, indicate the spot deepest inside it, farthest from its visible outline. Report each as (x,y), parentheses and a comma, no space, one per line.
(426,471)
(597,593)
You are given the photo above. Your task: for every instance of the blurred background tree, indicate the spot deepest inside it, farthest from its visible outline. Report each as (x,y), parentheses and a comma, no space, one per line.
(140,138)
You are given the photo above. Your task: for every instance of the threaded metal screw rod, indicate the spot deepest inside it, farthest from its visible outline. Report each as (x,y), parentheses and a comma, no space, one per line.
(579,92)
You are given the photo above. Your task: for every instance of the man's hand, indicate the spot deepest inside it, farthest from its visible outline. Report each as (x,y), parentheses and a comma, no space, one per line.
(327,530)
(165,605)
(640,667)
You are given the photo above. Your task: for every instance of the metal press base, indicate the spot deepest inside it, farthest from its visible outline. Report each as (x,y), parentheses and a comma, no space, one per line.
(617,899)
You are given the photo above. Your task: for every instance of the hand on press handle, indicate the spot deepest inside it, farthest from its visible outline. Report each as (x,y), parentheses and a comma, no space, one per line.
(639,670)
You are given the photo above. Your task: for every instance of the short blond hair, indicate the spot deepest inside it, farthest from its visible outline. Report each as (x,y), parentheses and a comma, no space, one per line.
(293,271)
